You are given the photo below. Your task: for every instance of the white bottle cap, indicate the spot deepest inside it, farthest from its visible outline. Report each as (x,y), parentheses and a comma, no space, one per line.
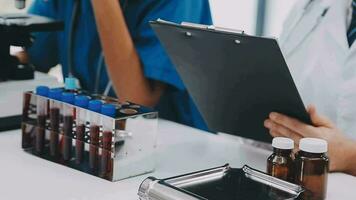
(313,145)
(283,143)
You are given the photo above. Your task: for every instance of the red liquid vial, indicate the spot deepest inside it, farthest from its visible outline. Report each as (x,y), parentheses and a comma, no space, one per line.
(79,143)
(68,123)
(82,103)
(94,134)
(108,112)
(54,125)
(40,133)
(54,116)
(105,163)
(94,147)
(67,140)
(41,109)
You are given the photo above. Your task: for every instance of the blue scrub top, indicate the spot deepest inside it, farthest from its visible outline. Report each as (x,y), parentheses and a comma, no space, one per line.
(50,49)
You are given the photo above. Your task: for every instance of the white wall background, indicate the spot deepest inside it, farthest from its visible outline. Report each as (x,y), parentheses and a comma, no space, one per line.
(241,14)
(277,11)
(237,14)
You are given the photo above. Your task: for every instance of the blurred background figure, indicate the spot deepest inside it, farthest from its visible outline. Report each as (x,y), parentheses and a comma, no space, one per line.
(318,42)
(112,50)
(255,17)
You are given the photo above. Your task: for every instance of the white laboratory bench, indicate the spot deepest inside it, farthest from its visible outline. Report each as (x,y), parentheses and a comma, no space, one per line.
(11,92)
(180,150)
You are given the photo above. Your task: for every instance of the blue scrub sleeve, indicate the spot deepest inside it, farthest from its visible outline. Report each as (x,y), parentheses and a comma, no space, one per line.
(156,63)
(44,51)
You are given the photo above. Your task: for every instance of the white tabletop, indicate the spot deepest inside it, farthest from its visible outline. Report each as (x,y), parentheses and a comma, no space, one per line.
(181,150)
(11,92)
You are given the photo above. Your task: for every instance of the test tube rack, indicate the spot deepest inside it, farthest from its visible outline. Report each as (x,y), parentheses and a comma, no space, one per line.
(134,136)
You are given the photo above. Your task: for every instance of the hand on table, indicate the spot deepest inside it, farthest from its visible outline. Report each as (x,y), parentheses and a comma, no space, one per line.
(341,148)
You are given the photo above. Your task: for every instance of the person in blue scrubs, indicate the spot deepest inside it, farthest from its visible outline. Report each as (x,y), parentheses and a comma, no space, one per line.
(136,63)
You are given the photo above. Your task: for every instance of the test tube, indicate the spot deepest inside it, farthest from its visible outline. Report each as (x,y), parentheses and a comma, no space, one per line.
(54,115)
(108,125)
(94,132)
(42,94)
(68,120)
(81,119)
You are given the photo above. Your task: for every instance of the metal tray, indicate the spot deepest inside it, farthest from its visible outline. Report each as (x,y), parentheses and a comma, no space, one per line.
(222,183)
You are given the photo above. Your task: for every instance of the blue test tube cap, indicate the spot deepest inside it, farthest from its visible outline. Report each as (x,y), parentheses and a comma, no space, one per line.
(70,83)
(68,97)
(82,101)
(108,110)
(95,105)
(55,94)
(42,91)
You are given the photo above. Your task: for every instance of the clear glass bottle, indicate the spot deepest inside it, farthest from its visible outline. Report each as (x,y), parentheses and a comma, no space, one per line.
(280,163)
(312,168)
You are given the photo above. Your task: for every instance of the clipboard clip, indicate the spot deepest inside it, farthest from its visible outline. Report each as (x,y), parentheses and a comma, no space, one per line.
(212,27)
(204,27)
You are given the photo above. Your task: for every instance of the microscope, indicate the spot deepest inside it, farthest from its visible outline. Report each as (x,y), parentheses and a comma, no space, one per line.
(15,77)
(15,30)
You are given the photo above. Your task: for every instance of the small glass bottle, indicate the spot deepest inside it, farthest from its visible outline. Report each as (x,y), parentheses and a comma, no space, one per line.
(82,103)
(94,134)
(54,116)
(109,112)
(280,163)
(312,168)
(68,122)
(41,107)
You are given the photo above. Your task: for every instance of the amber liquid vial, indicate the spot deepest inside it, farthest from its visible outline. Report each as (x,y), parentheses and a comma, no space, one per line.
(312,168)
(280,163)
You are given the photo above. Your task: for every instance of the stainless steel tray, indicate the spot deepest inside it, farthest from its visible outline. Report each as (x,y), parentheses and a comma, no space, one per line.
(222,183)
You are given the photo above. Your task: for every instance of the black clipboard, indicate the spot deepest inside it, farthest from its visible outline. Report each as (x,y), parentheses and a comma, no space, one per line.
(235,79)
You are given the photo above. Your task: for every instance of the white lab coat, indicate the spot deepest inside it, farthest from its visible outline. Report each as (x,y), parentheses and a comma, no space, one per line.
(320,60)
